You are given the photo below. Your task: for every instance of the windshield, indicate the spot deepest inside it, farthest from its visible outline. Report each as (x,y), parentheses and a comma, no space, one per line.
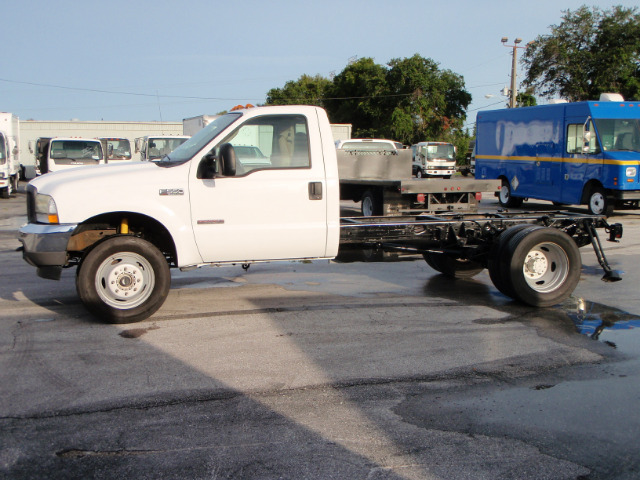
(200,140)
(118,149)
(440,152)
(76,152)
(622,135)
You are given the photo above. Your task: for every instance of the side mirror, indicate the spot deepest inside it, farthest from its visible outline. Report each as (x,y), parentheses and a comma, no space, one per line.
(31,146)
(228,160)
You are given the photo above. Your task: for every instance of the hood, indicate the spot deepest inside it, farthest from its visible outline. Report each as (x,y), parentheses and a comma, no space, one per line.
(96,177)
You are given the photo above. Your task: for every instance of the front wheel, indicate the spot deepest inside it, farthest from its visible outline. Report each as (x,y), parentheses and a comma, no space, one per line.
(599,204)
(419,173)
(124,279)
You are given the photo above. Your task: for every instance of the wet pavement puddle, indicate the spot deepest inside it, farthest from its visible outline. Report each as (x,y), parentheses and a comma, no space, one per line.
(610,325)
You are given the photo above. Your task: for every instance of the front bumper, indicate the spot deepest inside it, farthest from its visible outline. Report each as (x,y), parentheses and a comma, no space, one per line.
(45,247)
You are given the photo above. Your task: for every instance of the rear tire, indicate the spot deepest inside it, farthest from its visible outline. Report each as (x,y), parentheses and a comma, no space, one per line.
(371,205)
(124,279)
(542,265)
(452,267)
(506,199)
(498,253)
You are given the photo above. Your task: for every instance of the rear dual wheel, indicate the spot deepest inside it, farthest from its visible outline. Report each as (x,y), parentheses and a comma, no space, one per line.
(537,265)
(451,266)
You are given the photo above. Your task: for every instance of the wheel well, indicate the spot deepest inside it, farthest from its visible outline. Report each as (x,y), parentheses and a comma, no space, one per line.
(588,188)
(103,226)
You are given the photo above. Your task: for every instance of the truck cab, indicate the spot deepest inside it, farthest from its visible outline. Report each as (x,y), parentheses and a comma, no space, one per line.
(153,148)
(58,153)
(434,159)
(116,149)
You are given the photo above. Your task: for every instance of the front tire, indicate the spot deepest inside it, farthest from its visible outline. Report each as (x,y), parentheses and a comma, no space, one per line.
(599,204)
(124,279)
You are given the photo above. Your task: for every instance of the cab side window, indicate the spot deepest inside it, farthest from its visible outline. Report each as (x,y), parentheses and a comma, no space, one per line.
(271,142)
(575,140)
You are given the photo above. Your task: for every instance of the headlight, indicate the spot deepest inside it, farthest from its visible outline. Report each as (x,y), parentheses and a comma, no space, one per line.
(46,210)
(631,171)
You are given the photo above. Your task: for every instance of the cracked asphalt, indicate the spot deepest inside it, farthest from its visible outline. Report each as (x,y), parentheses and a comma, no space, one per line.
(373,370)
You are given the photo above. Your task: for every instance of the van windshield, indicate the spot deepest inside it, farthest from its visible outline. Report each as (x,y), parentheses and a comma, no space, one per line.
(76,152)
(440,152)
(188,149)
(621,135)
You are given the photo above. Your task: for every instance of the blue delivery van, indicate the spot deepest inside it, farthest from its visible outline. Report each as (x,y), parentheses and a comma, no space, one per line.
(582,153)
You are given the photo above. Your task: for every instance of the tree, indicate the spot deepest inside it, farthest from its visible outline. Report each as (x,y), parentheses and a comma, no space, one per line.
(408,99)
(355,97)
(306,90)
(589,53)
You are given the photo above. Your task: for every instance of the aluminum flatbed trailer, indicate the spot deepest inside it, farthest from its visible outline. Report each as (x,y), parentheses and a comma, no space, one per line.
(532,257)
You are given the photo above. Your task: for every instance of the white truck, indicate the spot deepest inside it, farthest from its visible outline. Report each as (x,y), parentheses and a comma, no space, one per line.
(192,125)
(54,154)
(116,149)
(153,148)
(434,159)
(9,154)
(204,205)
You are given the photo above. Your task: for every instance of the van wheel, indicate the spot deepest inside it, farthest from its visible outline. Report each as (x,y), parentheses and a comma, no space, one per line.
(542,265)
(451,266)
(505,198)
(124,279)
(599,204)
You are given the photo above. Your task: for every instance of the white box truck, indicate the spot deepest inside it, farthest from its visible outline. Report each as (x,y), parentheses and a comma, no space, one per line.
(9,154)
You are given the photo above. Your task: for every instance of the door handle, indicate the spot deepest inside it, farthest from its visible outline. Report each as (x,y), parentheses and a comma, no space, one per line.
(315,190)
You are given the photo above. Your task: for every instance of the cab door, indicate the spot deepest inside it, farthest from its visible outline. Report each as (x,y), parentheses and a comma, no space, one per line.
(274,207)
(582,162)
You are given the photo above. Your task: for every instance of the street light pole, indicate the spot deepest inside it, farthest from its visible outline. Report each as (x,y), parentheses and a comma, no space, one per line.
(513,94)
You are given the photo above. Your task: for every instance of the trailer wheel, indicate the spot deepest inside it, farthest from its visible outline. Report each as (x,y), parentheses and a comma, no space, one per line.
(497,254)
(451,266)
(542,265)
(371,205)
(124,279)
(505,198)
(599,204)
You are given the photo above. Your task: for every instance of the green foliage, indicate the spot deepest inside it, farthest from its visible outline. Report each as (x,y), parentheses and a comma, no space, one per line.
(589,53)
(306,90)
(408,100)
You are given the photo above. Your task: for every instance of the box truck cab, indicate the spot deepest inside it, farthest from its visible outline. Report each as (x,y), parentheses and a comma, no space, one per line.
(583,153)
(116,149)
(153,148)
(57,153)
(434,159)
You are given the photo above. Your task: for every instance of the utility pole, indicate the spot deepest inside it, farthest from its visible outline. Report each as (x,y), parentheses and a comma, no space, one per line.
(513,93)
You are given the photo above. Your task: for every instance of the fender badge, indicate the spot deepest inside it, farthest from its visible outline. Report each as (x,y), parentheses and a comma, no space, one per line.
(171,191)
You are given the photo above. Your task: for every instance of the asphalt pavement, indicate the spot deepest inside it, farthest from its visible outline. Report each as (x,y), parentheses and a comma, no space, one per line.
(376,370)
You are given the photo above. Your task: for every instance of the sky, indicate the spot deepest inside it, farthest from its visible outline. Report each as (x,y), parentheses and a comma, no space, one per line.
(165,61)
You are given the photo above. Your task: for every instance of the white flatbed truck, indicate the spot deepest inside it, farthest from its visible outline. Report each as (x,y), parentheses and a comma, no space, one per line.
(205,205)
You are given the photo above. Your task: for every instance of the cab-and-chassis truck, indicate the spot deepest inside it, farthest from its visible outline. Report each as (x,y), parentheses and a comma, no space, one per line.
(205,205)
